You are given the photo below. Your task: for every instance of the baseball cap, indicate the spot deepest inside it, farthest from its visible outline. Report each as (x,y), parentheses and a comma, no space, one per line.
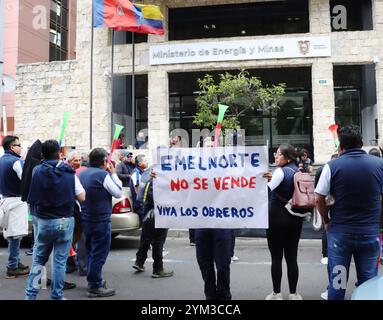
(127,152)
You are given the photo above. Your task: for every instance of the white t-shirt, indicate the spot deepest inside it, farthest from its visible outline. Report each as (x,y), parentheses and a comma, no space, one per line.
(324,183)
(277,179)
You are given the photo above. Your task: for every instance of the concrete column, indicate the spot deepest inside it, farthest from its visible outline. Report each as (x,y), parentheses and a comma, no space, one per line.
(323,109)
(379,95)
(377,15)
(158,108)
(320,17)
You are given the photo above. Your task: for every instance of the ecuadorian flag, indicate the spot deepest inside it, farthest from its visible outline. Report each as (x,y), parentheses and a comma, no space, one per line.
(124,15)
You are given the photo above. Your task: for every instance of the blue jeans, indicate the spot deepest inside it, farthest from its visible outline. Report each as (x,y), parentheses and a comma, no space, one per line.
(13,252)
(214,246)
(98,237)
(341,247)
(56,235)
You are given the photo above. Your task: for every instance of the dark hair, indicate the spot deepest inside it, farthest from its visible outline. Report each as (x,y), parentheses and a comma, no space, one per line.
(97,157)
(50,150)
(138,159)
(289,152)
(7,142)
(302,152)
(374,152)
(350,137)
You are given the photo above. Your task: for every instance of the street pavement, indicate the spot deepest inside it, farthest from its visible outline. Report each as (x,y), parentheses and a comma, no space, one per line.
(250,276)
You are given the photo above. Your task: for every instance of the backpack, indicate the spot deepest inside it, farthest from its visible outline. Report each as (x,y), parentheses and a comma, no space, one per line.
(303,196)
(303,199)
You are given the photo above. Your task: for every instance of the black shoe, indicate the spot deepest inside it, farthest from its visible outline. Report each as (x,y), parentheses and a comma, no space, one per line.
(29,252)
(16,273)
(138,267)
(162,273)
(69,285)
(23,267)
(101,292)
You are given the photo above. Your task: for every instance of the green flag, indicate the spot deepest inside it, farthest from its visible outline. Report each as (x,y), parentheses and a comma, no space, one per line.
(64,125)
(117,131)
(222,110)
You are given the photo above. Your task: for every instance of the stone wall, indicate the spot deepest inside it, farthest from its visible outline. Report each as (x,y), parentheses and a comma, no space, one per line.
(42,97)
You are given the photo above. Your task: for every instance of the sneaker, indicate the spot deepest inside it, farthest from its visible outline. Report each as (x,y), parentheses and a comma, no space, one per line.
(324,260)
(192,244)
(101,292)
(29,252)
(138,267)
(23,267)
(16,273)
(295,296)
(234,258)
(324,295)
(274,296)
(69,285)
(162,273)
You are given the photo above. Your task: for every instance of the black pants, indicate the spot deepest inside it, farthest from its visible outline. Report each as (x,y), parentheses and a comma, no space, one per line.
(232,244)
(214,246)
(155,237)
(192,235)
(283,239)
(324,243)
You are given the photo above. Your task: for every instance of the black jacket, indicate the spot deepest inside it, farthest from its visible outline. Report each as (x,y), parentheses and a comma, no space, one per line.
(124,171)
(32,159)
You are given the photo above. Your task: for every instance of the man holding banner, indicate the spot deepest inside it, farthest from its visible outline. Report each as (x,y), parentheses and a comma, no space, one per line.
(212,190)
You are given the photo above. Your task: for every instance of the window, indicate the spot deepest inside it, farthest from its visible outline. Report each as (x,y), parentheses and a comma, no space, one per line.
(292,123)
(347,107)
(122,104)
(125,37)
(236,20)
(351,15)
(58,33)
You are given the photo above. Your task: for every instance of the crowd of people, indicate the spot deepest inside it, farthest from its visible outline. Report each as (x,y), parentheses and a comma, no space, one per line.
(70,202)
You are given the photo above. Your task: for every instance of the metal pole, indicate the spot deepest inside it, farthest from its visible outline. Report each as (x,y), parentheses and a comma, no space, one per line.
(133,93)
(111,81)
(91,86)
(1,61)
(5,129)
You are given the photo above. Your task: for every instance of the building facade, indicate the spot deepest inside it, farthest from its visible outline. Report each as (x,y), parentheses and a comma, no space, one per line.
(331,67)
(35,31)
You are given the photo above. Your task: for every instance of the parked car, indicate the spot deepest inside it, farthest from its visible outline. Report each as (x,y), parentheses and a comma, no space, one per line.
(124,220)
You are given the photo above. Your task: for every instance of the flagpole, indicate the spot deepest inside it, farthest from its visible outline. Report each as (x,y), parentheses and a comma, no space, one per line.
(111,81)
(133,93)
(91,85)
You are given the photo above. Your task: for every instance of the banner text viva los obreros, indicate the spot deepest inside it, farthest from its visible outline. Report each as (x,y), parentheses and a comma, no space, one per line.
(211,188)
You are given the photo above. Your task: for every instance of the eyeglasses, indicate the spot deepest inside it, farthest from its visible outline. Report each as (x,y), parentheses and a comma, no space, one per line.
(129,156)
(17,145)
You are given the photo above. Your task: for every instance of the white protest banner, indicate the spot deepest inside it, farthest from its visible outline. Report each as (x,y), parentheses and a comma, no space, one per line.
(218,187)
